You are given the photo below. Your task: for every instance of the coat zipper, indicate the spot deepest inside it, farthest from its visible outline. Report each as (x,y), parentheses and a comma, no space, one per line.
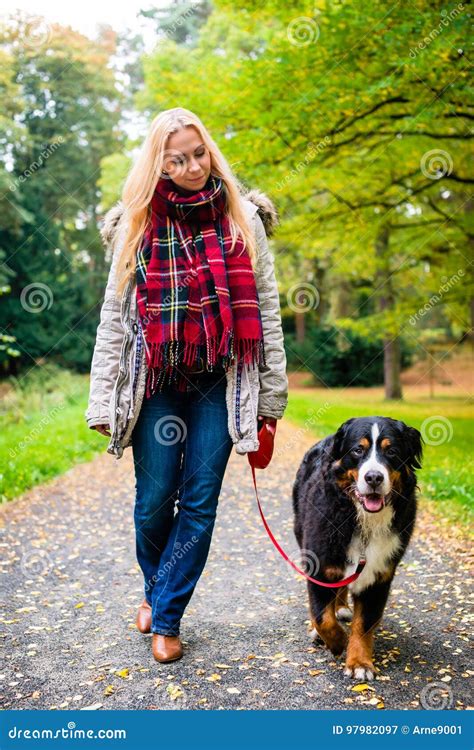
(254,412)
(122,370)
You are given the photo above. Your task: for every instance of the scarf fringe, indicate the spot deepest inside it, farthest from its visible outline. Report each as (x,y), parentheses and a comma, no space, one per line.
(166,357)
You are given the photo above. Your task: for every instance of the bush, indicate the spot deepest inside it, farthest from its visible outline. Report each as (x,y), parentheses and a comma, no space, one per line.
(337,359)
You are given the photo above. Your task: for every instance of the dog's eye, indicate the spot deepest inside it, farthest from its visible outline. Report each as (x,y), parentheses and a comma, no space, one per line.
(357,451)
(390,452)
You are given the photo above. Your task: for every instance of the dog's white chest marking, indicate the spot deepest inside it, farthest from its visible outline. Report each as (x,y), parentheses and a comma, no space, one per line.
(374,541)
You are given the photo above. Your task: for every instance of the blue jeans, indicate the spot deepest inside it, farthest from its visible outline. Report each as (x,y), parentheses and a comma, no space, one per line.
(181,446)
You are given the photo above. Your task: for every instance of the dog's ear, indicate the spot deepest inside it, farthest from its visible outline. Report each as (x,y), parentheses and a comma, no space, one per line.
(415,446)
(326,455)
(339,438)
(413,443)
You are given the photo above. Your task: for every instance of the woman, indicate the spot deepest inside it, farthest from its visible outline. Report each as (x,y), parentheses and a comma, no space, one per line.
(189,352)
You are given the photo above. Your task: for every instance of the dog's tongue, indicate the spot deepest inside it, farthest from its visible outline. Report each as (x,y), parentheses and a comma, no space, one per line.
(373,502)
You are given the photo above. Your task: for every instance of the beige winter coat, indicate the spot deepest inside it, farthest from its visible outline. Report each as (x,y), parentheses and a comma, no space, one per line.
(118,369)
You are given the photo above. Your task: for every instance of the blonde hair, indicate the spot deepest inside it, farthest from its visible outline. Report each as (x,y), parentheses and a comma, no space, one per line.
(141,181)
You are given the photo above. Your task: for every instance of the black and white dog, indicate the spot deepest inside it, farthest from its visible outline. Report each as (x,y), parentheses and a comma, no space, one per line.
(354,496)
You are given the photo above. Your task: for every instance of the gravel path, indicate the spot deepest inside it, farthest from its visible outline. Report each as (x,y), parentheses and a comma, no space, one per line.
(70,587)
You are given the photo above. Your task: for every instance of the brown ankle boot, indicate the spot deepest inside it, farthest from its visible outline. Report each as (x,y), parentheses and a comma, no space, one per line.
(143,621)
(166,647)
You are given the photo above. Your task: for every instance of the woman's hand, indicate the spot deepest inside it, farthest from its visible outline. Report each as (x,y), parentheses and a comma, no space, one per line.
(261,420)
(104,429)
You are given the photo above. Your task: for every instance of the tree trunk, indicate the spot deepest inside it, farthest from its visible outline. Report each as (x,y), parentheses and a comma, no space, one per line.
(391,368)
(321,300)
(341,299)
(300,326)
(391,345)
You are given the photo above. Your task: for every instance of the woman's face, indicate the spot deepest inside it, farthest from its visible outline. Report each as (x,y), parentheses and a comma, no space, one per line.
(187,160)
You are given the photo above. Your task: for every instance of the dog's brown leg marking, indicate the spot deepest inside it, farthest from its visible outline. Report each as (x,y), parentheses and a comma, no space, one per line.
(361,643)
(341,597)
(333,635)
(386,575)
(333,573)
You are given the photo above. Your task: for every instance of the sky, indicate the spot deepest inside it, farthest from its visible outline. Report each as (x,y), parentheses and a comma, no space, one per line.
(84,15)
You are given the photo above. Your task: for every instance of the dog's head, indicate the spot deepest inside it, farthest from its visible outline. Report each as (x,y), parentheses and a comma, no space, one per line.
(374,460)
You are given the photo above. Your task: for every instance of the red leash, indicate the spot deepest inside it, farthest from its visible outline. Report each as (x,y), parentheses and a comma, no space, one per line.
(261,458)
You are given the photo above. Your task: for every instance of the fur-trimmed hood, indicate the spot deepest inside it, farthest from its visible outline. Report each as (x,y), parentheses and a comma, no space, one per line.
(265,208)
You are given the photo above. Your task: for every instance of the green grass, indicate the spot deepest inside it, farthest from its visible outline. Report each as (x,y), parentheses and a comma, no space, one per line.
(44,432)
(446,477)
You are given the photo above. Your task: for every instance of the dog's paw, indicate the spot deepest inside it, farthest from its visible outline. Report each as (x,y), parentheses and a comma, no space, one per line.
(337,641)
(359,672)
(315,637)
(344,614)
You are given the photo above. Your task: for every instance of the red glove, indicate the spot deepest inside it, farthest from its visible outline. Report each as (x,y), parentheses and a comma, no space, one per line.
(266,435)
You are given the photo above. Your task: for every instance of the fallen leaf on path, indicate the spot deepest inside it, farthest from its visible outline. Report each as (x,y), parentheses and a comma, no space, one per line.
(214,677)
(361,687)
(92,707)
(174,691)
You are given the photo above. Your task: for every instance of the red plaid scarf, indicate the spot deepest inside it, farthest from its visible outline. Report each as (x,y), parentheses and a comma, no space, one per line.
(195,300)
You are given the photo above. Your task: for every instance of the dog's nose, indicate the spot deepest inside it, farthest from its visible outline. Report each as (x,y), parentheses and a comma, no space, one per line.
(374,478)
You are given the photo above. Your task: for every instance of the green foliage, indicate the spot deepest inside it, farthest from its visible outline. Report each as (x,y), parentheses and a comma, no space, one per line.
(114,170)
(363,146)
(181,21)
(44,428)
(66,105)
(339,359)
